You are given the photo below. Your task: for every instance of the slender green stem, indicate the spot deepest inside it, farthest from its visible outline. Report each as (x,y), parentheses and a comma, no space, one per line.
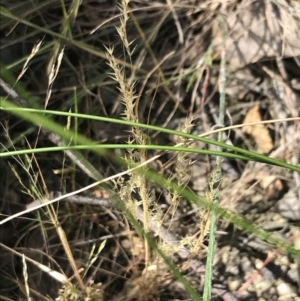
(102,149)
(26,113)
(216,181)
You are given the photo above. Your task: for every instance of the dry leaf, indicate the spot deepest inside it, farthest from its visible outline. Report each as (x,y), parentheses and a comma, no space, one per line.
(257,30)
(271,184)
(259,132)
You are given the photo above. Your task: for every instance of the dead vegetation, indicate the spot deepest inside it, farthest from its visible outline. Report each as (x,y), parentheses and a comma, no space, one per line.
(156,62)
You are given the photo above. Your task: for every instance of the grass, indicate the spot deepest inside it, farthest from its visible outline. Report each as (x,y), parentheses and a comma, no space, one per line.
(128,189)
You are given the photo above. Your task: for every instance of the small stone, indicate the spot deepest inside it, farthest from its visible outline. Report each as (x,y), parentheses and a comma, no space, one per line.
(289,206)
(234,285)
(297,243)
(285,289)
(126,243)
